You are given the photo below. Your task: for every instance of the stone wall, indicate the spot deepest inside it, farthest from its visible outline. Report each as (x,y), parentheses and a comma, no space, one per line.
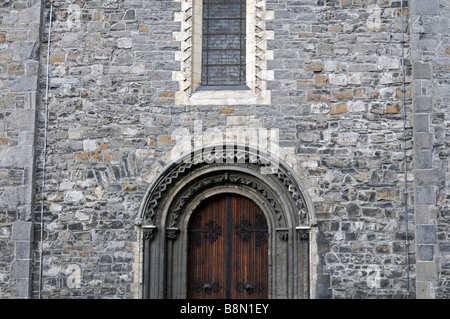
(20,25)
(431,91)
(336,103)
(345,84)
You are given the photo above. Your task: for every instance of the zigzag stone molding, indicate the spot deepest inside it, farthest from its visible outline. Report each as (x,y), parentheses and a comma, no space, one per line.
(242,156)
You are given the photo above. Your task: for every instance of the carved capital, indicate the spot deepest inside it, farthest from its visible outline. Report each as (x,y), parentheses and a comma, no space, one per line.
(303,235)
(283,233)
(149,232)
(172,233)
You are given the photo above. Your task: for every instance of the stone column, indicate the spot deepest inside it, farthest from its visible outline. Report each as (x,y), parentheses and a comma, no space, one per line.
(430,60)
(19,59)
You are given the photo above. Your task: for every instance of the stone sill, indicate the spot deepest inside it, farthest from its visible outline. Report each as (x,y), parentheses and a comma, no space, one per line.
(222,97)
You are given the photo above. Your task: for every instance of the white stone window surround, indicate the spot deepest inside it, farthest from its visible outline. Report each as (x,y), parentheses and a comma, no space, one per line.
(190,56)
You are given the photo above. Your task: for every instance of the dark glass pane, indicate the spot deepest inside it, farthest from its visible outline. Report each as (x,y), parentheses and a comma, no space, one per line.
(225,41)
(223,74)
(223,57)
(223,49)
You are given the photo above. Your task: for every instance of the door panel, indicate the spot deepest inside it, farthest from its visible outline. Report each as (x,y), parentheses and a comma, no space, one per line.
(249,258)
(228,250)
(207,258)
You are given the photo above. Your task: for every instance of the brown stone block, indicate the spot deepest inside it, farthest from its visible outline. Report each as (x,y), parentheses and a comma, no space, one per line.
(313,96)
(320,79)
(97,16)
(15,68)
(335,28)
(388,194)
(95,156)
(306,35)
(166,140)
(405,12)
(58,57)
(129,187)
(152,141)
(393,108)
(82,156)
(5,55)
(338,109)
(226,111)
(107,157)
(143,28)
(316,66)
(343,95)
(382,249)
(167,94)
(447,49)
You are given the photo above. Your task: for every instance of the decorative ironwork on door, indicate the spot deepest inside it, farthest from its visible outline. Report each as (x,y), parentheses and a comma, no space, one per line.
(245,229)
(211,231)
(228,250)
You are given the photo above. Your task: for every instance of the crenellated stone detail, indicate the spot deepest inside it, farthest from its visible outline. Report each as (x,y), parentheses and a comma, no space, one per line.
(185,17)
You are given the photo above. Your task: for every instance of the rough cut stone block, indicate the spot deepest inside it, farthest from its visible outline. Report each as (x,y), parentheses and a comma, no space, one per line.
(422,104)
(423,140)
(425,252)
(23,287)
(424,195)
(422,70)
(24,83)
(426,271)
(23,51)
(20,269)
(423,160)
(23,249)
(425,234)
(421,123)
(428,7)
(22,231)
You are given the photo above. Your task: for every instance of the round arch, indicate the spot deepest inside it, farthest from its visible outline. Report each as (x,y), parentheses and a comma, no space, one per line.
(190,179)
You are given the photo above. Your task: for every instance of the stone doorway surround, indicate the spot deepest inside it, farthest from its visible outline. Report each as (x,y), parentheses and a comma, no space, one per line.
(184,182)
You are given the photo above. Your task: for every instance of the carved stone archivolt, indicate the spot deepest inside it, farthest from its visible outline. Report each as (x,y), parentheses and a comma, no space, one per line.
(239,166)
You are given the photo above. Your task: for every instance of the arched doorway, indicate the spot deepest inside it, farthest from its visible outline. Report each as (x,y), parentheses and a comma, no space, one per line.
(228,249)
(179,192)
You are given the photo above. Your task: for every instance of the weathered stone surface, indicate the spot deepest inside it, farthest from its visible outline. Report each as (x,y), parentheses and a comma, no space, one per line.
(431,169)
(336,101)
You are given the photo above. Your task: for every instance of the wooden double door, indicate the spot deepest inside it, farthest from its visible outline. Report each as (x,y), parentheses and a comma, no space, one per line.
(228,250)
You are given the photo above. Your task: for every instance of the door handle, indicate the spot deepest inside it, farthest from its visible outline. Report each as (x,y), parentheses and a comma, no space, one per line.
(249,288)
(207,288)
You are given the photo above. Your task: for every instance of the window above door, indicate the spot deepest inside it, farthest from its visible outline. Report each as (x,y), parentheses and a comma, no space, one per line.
(223,45)
(223,52)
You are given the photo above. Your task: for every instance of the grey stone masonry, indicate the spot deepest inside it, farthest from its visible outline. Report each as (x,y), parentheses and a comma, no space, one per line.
(20,27)
(336,101)
(335,75)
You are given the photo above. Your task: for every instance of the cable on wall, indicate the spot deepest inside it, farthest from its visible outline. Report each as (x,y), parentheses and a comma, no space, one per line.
(404,153)
(44,152)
